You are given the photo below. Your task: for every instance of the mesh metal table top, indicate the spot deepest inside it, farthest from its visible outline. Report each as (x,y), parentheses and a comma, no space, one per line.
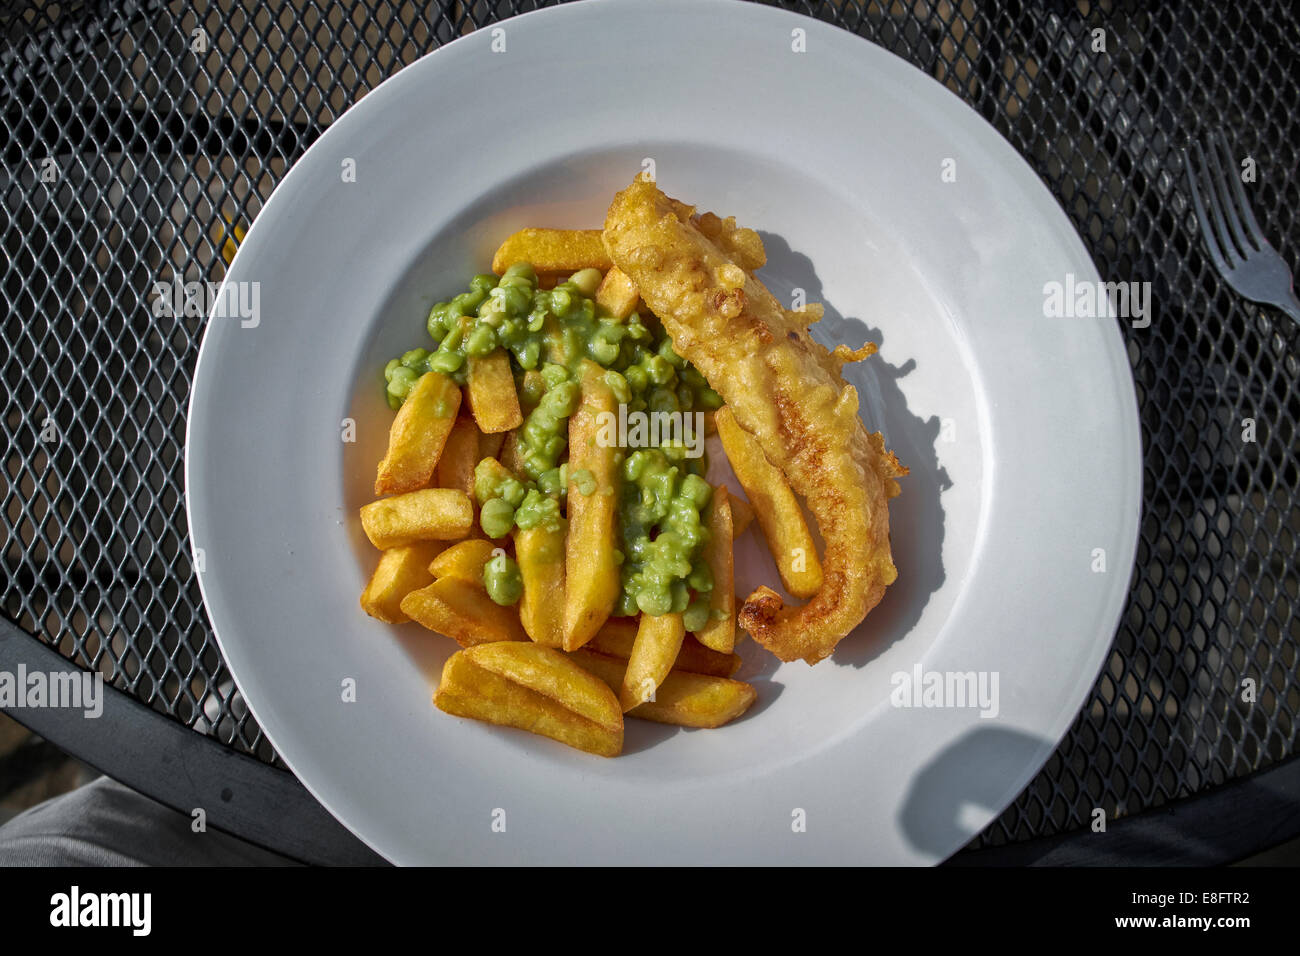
(136,133)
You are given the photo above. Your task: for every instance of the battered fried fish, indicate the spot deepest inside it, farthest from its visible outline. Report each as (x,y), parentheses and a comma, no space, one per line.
(783,388)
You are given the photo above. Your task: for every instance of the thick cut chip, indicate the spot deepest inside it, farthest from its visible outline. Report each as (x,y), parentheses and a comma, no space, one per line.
(459,456)
(489,446)
(658,639)
(533,688)
(777,509)
(618,635)
(463,561)
(401,570)
(430,514)
(553,250)
(684,699)
(591,577)
(742,514)
(417,435)
(617,294)
(719,633)
(512,453)
(539,552)
(710,422)
(492,395)
(463,611)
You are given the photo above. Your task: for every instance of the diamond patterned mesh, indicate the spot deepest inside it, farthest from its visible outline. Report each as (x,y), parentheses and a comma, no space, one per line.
(136,133)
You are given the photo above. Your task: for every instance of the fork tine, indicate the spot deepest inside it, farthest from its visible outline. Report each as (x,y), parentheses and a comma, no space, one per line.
(1207,228)
(1256,233)
(1215,204)
(1220,175)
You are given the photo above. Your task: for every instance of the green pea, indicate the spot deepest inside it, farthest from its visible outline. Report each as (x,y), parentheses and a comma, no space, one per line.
(663,400)
(517,298)
(467,302)
(654,602)
(696,615)
(481,341)
(537,427)
(402,381)
(437,322)
(701,577)
(618,385)
(529,355)
(562,399)
(633,465)
(659,371)
(502,580)
(416,359)
(673,451)
(668,355)
(535,463)
(521,270)
(493,311)
(515,282)
(636,330)
(584,481)
(587,281)
(496,518)
(513,491)
(553,445)
(511,332)
(637,379)
(551,482)
(681,597)
(553,374)
(455,335)
(603,351)
(483,282)
(561,302)
(697,490)
(538,510)
(446,362)
(388,369)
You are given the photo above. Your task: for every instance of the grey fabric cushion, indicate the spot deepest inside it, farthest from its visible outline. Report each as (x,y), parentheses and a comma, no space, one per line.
(107,824)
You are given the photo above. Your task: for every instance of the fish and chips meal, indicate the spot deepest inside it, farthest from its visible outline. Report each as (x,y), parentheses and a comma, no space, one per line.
(544,499)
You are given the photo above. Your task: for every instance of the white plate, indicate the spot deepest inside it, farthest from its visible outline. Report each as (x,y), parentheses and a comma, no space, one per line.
(1021,433)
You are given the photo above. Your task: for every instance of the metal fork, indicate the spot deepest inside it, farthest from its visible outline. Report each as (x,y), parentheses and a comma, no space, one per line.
(1250,266)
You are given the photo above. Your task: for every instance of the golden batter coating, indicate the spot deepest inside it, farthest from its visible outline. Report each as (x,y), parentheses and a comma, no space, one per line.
(783,388)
